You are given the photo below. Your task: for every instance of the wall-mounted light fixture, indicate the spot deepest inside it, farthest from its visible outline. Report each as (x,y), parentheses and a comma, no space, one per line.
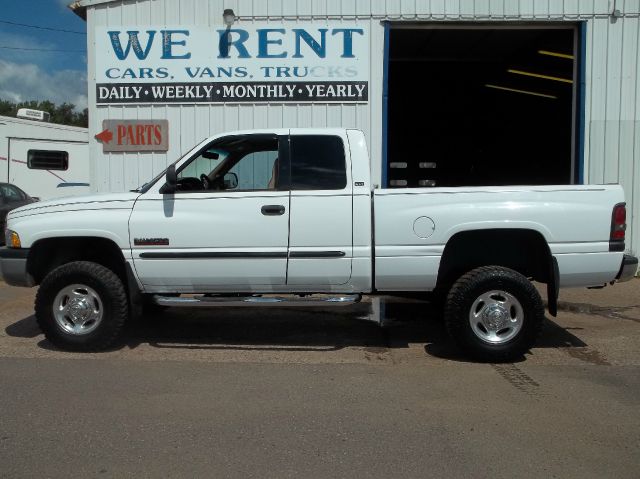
(229,17)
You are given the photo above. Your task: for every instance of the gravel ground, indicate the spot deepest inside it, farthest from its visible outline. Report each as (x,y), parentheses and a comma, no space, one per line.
(293,393)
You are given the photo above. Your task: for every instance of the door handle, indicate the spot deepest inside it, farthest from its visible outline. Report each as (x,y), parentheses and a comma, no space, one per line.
(272,210)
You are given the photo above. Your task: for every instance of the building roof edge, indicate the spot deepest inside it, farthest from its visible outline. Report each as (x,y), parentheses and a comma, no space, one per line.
(79,7)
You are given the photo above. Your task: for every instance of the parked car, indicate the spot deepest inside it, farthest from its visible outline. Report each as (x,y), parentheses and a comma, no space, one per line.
(11,197)
(272,218)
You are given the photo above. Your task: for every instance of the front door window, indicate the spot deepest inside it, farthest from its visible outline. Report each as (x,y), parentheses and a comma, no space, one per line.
(244,163)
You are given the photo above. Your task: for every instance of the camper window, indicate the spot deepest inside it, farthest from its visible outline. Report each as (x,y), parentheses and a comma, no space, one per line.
(47,160)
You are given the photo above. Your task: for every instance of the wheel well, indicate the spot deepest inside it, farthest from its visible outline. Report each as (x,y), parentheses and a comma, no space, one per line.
(525,251)
(47,254)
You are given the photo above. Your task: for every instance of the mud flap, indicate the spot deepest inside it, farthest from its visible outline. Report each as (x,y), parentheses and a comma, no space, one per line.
(133,293)
(553,287)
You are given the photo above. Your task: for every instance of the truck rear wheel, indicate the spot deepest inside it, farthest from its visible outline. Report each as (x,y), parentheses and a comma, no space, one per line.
(81,306)
(494,314)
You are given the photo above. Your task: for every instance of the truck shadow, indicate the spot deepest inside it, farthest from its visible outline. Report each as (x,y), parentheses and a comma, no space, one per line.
(288,329)
(274,329)
(440,345)
(25,328)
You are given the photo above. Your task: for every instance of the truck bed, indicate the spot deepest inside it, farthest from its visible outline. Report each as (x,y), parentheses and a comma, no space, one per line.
(412,227)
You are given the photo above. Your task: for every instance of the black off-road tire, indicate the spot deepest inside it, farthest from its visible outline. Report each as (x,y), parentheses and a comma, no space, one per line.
(105,283)
(462,297)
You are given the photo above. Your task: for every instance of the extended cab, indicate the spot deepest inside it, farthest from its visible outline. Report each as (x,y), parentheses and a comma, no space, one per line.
(290,217)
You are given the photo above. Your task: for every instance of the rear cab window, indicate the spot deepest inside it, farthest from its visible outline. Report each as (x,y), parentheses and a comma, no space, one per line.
(318,163)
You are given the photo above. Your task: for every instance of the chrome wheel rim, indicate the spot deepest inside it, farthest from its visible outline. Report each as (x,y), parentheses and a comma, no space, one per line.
(78,309)
(496,317)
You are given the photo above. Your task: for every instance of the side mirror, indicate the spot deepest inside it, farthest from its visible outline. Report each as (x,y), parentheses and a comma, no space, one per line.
(171,180)
(230,181)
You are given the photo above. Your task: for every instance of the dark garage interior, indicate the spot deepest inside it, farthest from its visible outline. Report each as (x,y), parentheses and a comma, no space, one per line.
(481,106)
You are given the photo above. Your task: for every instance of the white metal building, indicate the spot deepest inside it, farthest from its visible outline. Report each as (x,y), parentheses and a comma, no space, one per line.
(529,91)
(46,160)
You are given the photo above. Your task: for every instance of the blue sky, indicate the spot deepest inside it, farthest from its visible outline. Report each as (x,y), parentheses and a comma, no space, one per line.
(40,75)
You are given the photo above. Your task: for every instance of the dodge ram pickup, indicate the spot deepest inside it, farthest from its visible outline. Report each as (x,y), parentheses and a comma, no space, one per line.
(290,218)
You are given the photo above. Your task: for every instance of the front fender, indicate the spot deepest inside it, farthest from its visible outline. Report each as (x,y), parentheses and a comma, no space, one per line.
(111,224)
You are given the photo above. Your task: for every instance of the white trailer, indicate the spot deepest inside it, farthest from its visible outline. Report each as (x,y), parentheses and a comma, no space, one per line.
(45,160)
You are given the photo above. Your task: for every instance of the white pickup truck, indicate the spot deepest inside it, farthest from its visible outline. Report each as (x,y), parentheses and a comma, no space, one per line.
(290,218)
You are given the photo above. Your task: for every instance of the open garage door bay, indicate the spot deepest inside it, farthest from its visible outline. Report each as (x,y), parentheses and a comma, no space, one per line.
(482,105)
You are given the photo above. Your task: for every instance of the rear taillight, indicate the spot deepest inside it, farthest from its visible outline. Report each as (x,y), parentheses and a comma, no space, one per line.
(618,227)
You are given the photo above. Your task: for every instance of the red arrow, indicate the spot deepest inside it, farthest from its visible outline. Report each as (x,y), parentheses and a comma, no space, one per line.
(106,136)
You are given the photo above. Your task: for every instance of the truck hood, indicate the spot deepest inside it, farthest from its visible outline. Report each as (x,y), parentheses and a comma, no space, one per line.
(74,203)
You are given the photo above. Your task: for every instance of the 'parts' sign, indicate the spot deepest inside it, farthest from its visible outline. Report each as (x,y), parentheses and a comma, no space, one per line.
(305,62)
(134,135)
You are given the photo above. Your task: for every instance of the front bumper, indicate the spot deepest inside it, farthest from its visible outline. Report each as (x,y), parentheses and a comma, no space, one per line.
(628,268)
(13,267)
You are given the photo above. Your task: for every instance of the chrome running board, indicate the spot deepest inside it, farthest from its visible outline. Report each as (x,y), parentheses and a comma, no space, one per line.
(256,301)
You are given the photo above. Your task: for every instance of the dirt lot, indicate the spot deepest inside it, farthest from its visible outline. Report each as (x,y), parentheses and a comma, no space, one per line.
(291,393)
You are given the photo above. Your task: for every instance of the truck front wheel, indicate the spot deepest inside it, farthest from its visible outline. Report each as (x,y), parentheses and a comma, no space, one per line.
(81,306)
(494,314)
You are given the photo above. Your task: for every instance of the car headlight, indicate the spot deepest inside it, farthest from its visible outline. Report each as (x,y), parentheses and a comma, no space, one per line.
(12,239)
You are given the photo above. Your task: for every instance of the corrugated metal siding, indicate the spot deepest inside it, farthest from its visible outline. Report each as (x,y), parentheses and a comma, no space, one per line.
(612,111)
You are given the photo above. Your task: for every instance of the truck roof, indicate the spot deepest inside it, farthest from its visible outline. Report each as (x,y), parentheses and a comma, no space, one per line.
(286,131)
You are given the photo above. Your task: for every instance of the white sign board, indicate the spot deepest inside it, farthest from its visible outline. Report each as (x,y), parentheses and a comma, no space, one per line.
(261,62)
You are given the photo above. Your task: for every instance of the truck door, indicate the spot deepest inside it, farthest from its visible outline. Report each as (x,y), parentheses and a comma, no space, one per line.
(48,168)
(321,234)
(225,228)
